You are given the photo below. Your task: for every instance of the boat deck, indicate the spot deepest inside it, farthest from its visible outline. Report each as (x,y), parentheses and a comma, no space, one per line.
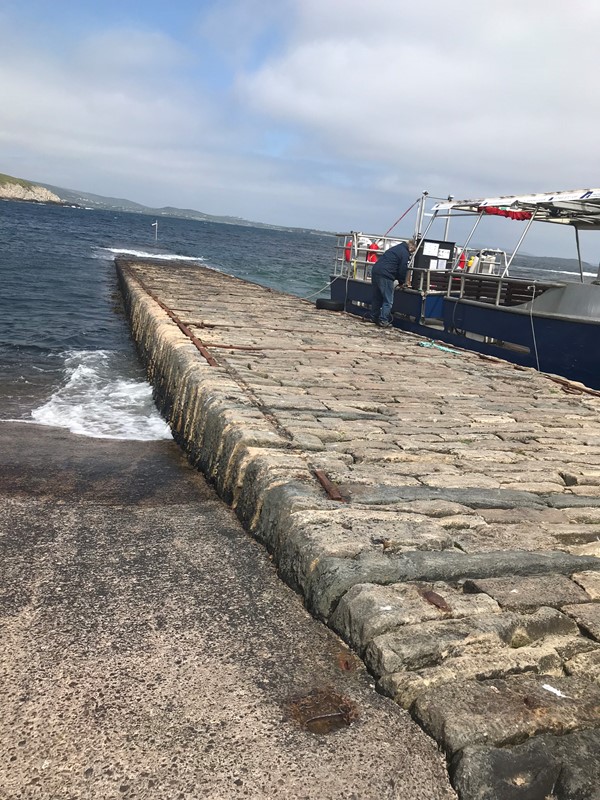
(438,509)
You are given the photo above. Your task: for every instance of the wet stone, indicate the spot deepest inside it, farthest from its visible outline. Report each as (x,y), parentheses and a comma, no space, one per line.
(524,593)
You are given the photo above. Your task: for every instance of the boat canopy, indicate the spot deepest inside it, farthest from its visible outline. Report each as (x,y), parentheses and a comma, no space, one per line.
(577,207)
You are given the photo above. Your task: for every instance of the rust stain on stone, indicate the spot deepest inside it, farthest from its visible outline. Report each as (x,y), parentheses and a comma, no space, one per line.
(323,711)
(435,599)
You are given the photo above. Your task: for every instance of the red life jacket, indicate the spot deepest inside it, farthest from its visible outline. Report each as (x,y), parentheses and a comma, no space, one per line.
(348,250)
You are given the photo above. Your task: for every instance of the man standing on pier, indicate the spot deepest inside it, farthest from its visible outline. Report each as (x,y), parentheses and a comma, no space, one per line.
(391,266)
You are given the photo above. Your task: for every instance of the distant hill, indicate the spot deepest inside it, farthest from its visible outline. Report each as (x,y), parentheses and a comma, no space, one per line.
(18,189)
(558,263)
(97,201)
(12,188)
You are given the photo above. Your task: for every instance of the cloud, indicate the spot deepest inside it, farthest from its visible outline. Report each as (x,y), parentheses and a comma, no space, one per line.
(495,91)
(324,113)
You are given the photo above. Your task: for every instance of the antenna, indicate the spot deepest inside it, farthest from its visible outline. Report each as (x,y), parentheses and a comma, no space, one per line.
(155,226)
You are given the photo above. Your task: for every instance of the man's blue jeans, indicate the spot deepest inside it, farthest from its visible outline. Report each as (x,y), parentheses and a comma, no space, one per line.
(382,298)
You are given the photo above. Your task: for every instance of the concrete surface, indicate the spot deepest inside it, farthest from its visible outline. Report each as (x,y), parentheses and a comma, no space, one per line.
(149,649)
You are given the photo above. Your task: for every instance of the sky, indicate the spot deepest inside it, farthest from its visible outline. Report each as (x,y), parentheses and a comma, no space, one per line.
(327,114)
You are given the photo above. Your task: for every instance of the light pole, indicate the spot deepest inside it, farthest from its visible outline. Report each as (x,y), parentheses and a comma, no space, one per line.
(155,226)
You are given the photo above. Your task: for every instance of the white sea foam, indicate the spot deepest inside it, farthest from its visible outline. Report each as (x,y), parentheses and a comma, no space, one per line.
(99,400)
(149,254)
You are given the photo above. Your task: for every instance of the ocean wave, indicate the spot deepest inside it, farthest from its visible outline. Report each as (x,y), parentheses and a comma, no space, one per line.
(150,254)
(99,401)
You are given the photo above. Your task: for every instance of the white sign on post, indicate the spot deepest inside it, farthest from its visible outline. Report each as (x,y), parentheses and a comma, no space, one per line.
(430,249)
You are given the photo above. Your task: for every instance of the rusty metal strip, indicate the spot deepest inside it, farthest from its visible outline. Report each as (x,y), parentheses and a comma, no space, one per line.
(573,387)
(200,346)
(330,487)
(269,416)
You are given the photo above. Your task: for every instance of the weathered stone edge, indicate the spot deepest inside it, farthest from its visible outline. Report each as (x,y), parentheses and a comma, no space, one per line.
(228,438)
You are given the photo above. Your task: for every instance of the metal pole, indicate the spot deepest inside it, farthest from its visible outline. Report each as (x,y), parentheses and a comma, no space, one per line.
(421,214)
(519,243)
(579,253)
(474,228)
(421,240)
(447,225)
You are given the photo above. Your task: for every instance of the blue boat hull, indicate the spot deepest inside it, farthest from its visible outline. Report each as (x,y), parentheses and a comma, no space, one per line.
(548,342)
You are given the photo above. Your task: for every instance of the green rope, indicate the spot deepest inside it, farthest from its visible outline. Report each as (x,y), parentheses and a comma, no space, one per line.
(439,347)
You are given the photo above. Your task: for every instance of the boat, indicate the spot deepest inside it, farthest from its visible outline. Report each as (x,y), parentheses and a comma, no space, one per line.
(470,298)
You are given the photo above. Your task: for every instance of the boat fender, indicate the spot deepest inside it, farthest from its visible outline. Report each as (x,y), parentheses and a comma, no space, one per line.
(329,305)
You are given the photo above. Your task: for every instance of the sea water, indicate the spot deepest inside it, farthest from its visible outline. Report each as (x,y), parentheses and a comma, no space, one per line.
(66,356)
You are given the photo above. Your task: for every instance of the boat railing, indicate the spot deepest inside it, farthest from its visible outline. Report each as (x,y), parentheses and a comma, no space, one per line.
(480,288)
(355,253)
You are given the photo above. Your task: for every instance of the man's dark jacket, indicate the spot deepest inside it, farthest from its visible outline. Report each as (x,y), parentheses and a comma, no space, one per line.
(393,264)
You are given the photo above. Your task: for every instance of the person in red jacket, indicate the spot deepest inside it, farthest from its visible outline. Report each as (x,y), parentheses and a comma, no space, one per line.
(372,256)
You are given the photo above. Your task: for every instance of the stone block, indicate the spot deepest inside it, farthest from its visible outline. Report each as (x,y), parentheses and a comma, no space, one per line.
(470,497)
(308,441)
(431,643)
(481,659)
(513,516)
(586,665)
(588,549)
(529,592)
(332,578)
(558,767)
(589,582)
(587,616)
(506,711)
(367,610)
(499,537)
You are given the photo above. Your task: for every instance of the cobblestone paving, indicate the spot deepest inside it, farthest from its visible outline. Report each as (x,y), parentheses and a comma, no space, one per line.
(463,560)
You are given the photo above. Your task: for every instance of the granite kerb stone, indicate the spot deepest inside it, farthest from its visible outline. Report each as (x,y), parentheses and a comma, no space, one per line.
(470,497)
(562,767)
(332,577)
(524,593)
(504,712)
(414,647)
(214,421)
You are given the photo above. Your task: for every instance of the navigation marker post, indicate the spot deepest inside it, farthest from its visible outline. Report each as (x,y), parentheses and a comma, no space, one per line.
(155,226)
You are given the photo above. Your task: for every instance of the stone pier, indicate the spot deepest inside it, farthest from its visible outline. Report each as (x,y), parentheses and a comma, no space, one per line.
(439,510)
